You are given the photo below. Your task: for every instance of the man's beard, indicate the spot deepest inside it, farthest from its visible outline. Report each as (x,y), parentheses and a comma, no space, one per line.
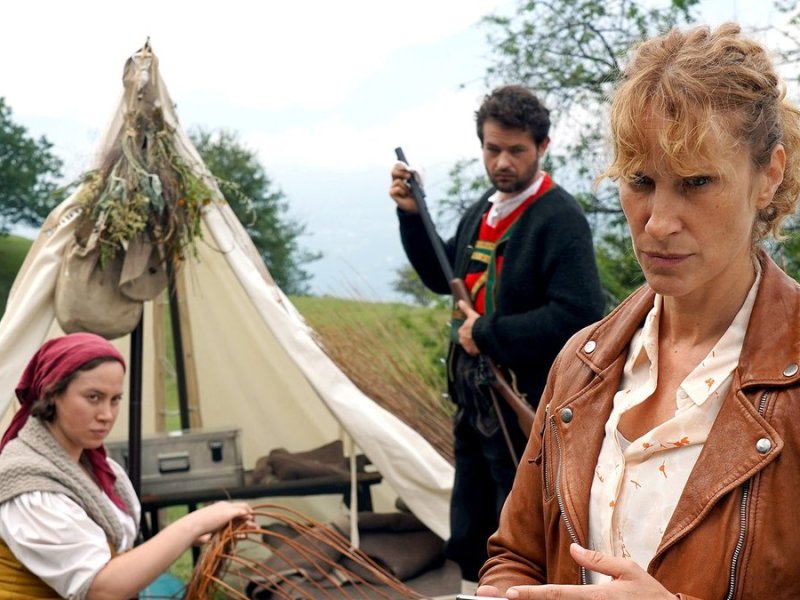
(510,187)
(518,184)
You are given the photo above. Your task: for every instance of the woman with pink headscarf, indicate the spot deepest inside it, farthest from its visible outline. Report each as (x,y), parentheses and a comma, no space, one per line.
(68,513)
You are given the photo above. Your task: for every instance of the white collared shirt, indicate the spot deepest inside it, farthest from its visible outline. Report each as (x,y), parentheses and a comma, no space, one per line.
(503,204)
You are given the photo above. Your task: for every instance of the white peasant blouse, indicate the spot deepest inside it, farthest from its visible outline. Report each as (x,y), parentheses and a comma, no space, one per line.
(57,541)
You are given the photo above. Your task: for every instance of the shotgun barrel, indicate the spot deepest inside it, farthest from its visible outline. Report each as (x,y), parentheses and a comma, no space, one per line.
(518,404)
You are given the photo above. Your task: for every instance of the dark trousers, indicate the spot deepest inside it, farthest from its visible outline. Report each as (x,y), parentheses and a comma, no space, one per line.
(484,468)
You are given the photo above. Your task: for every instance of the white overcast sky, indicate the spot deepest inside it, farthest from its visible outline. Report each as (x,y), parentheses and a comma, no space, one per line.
(323,91)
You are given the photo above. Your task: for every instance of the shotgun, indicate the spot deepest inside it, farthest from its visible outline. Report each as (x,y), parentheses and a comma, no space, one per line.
(497,380)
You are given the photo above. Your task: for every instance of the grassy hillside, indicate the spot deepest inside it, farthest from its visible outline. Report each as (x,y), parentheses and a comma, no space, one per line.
(394,353)
(12,252)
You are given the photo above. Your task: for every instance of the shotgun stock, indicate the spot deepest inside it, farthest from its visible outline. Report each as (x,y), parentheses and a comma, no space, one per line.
(522,410)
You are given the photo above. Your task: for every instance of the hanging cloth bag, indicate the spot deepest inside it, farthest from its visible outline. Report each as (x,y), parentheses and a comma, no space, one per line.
(88,297)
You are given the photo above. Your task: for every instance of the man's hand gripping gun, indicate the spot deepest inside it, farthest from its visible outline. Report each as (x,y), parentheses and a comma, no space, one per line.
(496,379)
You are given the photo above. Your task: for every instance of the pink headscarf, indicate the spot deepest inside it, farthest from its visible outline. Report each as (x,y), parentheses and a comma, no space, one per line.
(54,360)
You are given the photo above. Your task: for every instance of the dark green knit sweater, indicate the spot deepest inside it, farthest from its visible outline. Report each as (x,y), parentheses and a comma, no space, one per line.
(548,288)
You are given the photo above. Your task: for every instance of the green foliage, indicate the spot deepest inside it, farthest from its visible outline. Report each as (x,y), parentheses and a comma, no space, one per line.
(468,181)
(12,253)
(784,40)
(620,273)
(408,283)
(260,207)
(787,252)
(423,327)
(144,189)
(28,170)
(571,53)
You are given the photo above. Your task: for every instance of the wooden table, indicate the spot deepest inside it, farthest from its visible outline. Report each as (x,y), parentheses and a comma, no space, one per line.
(309,486)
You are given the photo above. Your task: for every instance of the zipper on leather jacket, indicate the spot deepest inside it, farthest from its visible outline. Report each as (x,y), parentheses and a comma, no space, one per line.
(560,499)
(737,551)
(543,459)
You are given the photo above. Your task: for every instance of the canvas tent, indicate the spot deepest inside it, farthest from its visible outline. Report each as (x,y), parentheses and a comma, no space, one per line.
(256,363)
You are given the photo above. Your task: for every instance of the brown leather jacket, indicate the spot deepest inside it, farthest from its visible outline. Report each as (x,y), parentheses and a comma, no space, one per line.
(735,533)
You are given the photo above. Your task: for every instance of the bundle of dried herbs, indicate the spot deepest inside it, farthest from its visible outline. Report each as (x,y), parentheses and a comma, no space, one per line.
(144,187)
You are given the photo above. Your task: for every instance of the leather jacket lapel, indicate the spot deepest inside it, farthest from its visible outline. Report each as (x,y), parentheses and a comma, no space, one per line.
(730,457)
(578,441)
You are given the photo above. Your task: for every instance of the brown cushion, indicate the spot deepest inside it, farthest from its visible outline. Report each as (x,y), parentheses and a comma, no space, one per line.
(325,460)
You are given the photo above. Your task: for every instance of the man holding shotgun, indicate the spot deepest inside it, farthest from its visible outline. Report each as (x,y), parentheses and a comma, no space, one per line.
(523,272)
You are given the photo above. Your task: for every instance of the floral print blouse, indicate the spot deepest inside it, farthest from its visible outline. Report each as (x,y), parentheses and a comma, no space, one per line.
(638,483)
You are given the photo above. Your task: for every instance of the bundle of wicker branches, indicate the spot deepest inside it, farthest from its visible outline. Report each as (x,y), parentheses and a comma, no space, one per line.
(301,564)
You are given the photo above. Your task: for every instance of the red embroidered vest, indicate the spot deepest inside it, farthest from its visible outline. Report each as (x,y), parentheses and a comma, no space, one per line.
(486,260)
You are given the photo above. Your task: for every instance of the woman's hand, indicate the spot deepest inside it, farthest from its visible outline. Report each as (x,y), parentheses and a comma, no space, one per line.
(488,591)
(631,582)
(205,521)
(128,572)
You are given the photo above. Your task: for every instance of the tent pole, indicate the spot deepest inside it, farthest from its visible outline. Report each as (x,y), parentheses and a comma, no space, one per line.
(135,408)
(177,344)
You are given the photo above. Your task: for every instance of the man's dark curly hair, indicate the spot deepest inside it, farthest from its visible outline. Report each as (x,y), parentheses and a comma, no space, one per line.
(516,107)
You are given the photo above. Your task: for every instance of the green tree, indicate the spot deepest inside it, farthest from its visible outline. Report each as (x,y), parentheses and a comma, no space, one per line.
(785,38)
(260,207)
(408,283)
(785,41)
(571,53)
(28,174)
(468,181)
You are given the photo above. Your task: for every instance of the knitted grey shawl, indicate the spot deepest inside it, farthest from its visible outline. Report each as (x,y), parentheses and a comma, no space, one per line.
(35,461)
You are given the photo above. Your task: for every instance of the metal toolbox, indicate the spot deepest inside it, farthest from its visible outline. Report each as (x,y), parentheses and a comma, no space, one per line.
(188,460)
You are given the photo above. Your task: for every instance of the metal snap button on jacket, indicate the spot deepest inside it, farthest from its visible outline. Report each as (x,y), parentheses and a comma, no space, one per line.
(589,346)
(566,415)
(763,446)
(791,370)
